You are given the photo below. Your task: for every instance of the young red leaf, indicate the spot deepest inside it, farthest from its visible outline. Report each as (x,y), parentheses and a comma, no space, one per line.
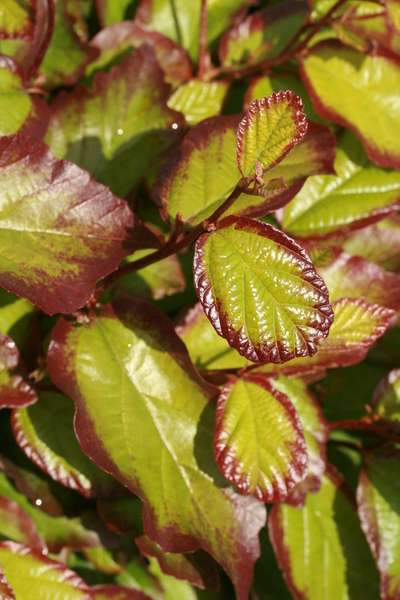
(320,546)
(268,131)
(14,390)
(368,106)
(189,511)
(260,291)
(60,230)
(378,497)
(259,441)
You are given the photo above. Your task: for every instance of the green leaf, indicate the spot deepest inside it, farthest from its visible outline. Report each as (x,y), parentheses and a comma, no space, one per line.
(264,34)
(320,546)
(112,130)
(386,401)
(114,42)
(116,592)
(260,291)
(33,575)
(355,277)
(378,243)
(113,11)
(16,525)
(142,366)
(15,103)
(378,496)
(313,155)
(357,91)
(259,441)
(54,257)
(198,100)
(16,19)
(45,433)
(180,20)
(202,172)
(357,195)
(268,131)
(14,390)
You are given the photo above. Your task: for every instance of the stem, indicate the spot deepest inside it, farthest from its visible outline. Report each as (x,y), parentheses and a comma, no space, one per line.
(204,59)
(369,424)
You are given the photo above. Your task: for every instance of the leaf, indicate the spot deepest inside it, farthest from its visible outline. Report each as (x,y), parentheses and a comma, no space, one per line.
(201,173)
(198,569)
(355,277)
(104,592)
(16,318)
(65,250)
(315,154)
(112,11)
(316,434)
(180,21)
(198,100)
(112,130)
(32,575)
(5,590)
(158,462)
(320,546)
(207,349)
(15,103)
(378,243)
(379,510)
(264,34)
(173,589)
(359,194)
(14,390)
(15,524)
(260,291)
(357,91)
(46,435)
(16,19)
(114,42)
(386,401)
(268,131)
(259,441)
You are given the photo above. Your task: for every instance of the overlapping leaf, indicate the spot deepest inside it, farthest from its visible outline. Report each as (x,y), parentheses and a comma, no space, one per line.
(15,524)
(357,195)
(379,509)
(358,91)
(386,401)
(378,243)
(46,435)
(112,130)
(14,390)
(59,229)
(199,100)
(144,371)
(112,11)
(259,441)
(15,103)
(320,546)
(260,291)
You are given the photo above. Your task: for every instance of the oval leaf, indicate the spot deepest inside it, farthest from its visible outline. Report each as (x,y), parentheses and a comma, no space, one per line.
(259,441)
(269,129)
(199,100)
(260,291)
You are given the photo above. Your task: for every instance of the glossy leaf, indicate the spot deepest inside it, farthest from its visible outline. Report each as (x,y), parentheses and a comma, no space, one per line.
(386,401)
(268,131)
(320,546)
(145,369)
(112,129)
(269,314)
(45,433)
(198,100)
(14,390)
(357,195)
(368,105)
(259,441)
(315,154)
(264,34)
(378,243)
(68,248)
(16,19)
(114,42)
(355,277)
(202,172)
(379,509)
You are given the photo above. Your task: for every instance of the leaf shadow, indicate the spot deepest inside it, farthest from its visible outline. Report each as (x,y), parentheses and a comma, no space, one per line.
(204,446)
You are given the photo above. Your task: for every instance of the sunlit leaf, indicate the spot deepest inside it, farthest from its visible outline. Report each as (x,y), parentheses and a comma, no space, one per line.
(199,100)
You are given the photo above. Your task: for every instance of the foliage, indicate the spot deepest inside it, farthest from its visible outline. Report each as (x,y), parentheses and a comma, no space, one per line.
(199,297)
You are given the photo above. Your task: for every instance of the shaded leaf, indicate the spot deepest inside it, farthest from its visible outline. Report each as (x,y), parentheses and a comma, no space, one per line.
(46,435)
(65,250)
(264,34)
(357,91)
(378,243)
(379,509)
(268,131)
(15,103)
(119,344)
(268,314)
(112,130)
(112,11)
(202,172)
(198,100)
(386,401)
(259,441)
(320,546)
(14,390)
(16,525)
(357,195)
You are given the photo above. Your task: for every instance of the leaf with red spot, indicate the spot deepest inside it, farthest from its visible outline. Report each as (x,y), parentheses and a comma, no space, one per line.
(259,440)
(260,291)
(14,390)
